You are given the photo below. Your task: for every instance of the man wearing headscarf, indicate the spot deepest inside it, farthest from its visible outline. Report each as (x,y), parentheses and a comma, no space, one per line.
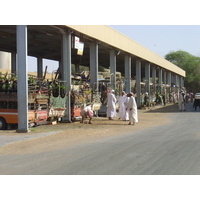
(123,114)
(181,101)
(122,109)
(111,108)
(132,108)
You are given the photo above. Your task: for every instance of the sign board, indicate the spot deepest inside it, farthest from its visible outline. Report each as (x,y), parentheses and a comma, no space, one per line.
(76,42)
(80,49)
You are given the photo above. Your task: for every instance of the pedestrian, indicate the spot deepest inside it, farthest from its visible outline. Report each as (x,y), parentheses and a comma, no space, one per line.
(111,107)
(146,100)
(196,103)
(86,112)
(132,108)
(126,111)
(191,97)
(122,108)
(187,98)
(181,101)
(164,98)
(123,114)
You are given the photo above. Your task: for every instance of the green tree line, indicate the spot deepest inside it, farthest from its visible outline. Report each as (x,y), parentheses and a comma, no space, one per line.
(189,63)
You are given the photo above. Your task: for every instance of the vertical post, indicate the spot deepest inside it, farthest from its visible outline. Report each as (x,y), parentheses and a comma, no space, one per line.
(22,83)
(66,73)
(94,66)
(39,67)
(13,63)
(182,82)
(138,81)
(128,73)
(178,80)
(147,77)
(154,78)
(169,78)
(164,77)
(113,68)
(160,79)
(77,68)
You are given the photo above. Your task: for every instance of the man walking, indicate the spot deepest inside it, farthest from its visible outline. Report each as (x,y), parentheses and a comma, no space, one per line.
(132,108)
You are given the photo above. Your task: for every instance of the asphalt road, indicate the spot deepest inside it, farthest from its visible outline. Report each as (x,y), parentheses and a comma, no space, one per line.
(171,149)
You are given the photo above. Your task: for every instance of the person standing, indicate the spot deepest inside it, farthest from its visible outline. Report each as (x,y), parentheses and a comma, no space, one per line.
(122,108)
(126,111)
(132,108)
(111,107)
(146,100)
(181,101)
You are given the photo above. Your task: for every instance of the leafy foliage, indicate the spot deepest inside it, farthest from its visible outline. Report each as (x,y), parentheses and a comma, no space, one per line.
(189,63)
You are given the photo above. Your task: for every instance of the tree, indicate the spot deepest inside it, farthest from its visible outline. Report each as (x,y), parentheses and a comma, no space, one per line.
(189,63)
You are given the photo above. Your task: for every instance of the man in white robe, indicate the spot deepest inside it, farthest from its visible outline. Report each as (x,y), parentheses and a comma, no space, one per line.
(181,101)
(127,112)
(111,108)
(123,113)
(132,108)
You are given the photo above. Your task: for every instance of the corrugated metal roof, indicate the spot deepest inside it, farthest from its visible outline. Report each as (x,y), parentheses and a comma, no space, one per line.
(113,38)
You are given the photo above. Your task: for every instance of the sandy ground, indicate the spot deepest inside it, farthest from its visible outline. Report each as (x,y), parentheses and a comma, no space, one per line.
(76,133)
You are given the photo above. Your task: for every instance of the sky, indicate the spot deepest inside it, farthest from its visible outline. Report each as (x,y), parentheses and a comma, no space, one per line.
(161,39)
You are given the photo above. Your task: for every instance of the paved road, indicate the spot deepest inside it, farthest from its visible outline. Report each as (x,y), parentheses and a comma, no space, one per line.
(170,149)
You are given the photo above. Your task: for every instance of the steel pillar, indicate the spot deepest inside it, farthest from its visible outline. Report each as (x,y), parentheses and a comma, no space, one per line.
(128,73)
(77,68)
(94,66)
(13,63)
(147,77)
(164,77)
(154,77)
(39,67)
(169,78)
(160,79)
(138,81)
(22,83)
(66,72)
(113,69)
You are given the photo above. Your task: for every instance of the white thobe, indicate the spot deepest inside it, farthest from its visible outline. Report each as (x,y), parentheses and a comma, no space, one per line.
(122,108)
(111,108)
(127,112)
(133,114)
(181,102)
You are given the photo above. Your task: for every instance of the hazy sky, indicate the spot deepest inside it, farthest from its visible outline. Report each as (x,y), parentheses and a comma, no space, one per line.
(161,39)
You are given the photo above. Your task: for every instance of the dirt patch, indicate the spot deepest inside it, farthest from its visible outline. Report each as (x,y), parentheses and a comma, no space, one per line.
(76,133)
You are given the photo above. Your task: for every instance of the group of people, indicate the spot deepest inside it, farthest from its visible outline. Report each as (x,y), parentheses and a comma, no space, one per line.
(184,98)
(127,107)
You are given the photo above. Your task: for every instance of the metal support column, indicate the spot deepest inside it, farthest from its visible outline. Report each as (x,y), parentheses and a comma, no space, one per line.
(39,67)
(128,73)
(13,63)
(94,66)
(22,82)
(77,68)
(169,78)
(154,78)
(113,69)
(138,81)
(164,77)
(181,82)
(160,79)
(66,72)
(147,77)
